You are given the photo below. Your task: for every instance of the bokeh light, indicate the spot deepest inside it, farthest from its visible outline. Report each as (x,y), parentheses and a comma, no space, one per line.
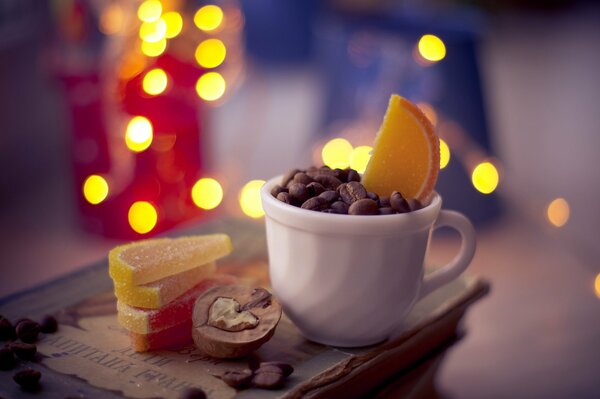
(432,48)
(336,153)
(211,53)
(155,81)
(153,31)
(360,158)
(208,18)
(250,199)
(174,23)
(444,154)
(142,217)
(112,19)
(149,10)
(558,212)
(138,136)
(597,285)
(485,177)
(207,193)
(429,112)
(95,189)
(210,86)
(154,49)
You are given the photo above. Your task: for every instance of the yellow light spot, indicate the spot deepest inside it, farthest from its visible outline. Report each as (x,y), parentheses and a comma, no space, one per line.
(210,86)
(95,189)
(154,49)
(360,158)
(485,177)
(207,193)
(142,217)
(558,212)
(336,153)
(155,82)
(429,112)
(250,199)
(444,154)
(432,48)
(211,53)
(597,285)
(208,18)
(174,23)
(153,31)
(112,19)
(149,10)
(138,136)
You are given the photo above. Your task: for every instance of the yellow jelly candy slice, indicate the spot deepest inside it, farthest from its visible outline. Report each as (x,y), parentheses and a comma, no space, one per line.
(146,261)
(406,153)
(159,293)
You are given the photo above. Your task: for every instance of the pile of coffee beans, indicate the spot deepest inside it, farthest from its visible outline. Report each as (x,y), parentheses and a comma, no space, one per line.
(27,331)
(337,191)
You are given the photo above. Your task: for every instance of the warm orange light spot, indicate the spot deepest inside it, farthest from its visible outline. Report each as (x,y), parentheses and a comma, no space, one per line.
(207,193)
(210,53)
(112,19)
(360,158)
(174,23)
(210,86)
(250,199)
(432,48)
(153,31)
(155,82)
(138,136)
(208,18)
(444,154)
(597,285)
(149,10)
(154,49)
(336,153)
(558,212)
(485,178)
(142,217)
(95,189)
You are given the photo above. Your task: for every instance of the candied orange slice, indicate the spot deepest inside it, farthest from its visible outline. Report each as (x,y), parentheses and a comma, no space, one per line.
(406,153)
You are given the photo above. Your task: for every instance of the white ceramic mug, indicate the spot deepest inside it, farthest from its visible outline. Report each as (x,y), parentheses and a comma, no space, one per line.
(350,280)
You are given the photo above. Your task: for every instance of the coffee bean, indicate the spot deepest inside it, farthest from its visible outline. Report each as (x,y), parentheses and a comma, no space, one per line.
(288,177)
(340,207)
(268,380)
(329,196)
(49,325)
(352,192)
(373,196)
(7,330)
(285,368)
(399,203)
(298,192)
(23,351)
(315,204)
(27,330)
(384,202)
(363,206)
(315,189)
(414,204)
(303,178)
(278,189)
(193,393)
(237,379)
(341,174)
(353,175)
(325,167)
(7,359)
(285,197)
(28,379)
(386,211)
(328,181)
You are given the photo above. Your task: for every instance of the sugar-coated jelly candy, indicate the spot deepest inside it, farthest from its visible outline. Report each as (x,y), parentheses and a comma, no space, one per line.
(170,338)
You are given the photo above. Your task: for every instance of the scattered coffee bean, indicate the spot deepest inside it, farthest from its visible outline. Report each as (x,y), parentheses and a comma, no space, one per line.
(28,379)
(7,359)
(7,330)
(414,204)
(278,189)
(315,189)
(303,178)
(27,330)
(373,196)
(298,192)
(352,176)
(315,204)
(340,207)
(386,211)
(384,202)
(363,206)
(49,325)
(286,368)
(193,393)
(285,197)
(399,203)
(23,351)
(352,192)
(268,380)
(329,196)
(237,379)
(288,177)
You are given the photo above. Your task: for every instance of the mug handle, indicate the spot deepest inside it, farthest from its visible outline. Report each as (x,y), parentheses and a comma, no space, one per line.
(452,270)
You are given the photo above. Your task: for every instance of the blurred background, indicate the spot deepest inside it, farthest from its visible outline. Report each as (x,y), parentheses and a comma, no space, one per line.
(122,119)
